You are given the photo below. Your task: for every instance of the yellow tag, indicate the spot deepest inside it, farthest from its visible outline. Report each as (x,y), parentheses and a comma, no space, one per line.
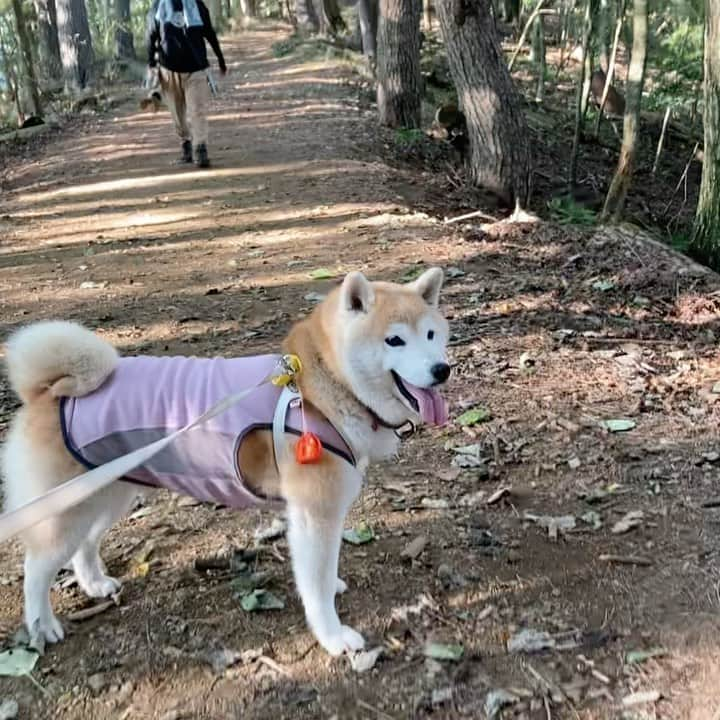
(290,366)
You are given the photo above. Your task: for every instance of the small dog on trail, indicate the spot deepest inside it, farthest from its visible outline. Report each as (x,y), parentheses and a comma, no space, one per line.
(373,355)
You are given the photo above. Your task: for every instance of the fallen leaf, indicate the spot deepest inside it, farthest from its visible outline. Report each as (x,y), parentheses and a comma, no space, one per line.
(322,274)
(314,297)
(261,600)
(17,661)
(527,363)
(359,535)
(9,709)
(636,657)
(222,659)
(552,524)
(591,517)
(629,521)
(530,641)
(603,285)
(454,272)
(245,583)
(440,651)
(618,425)
(474,416)
(496,700)
(141,569)
(641,698)
(363,661)
(412,274)
(435,503)
(413,549)
(498,495)
(574,463)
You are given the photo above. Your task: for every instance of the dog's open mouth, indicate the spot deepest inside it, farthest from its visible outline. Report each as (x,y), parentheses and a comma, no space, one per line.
(427,402)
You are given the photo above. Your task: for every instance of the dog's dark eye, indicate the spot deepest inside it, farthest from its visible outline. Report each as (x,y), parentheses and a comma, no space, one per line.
(395,341)
(431,334)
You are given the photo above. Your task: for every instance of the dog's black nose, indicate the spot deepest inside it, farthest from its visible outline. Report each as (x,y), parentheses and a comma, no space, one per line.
(440,371)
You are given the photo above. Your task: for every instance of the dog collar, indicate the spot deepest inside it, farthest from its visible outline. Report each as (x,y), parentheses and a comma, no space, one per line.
(378,422)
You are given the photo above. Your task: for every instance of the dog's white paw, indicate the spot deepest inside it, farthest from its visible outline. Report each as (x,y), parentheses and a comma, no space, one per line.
(45,630)
(101,587)
(347,640)
(340,586)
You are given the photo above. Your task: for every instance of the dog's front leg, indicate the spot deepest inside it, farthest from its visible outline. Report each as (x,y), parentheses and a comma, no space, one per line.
(315,534)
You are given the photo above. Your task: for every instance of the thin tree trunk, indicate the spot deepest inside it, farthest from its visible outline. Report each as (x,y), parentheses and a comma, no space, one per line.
(249,8)
(76,49)
(540,58)
(368,19)
(124,45)
(48,45)
(499,138)
(398,67)
(611,67)
(583,87)
(27,64)
(617,194)
(305,15)
(705,242)
(9,73)
(216,14)
(603,24)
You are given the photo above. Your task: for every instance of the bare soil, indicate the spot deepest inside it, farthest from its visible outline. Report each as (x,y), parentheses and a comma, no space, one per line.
(554,331)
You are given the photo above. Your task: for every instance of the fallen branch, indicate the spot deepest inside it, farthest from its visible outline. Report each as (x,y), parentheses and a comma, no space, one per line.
(627,560)
(470,216)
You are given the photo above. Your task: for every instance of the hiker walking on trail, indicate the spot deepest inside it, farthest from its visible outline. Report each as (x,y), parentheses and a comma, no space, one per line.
(176,34)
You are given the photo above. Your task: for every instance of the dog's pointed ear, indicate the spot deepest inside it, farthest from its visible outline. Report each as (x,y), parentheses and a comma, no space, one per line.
(429,284)
(356,293)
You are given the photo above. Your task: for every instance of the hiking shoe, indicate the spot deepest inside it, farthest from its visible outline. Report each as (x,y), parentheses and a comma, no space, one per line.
(186,156)
(201,156)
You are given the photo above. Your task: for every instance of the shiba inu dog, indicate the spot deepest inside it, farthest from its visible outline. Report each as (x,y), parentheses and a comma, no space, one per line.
(373,355)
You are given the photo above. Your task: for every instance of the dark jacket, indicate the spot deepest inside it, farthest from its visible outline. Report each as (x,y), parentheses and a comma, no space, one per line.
(181,49)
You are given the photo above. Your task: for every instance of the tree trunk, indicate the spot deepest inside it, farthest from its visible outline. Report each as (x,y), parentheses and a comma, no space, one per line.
(428,14)
(249,8)
(497,130)
(398,67)
(603,34)
(581,96)
(216,15)
(124,45)
(615,200)
(49,48)
(27,65)
(705,242)
(9,72)
(305,16)
(76,49)
(330,20)
(368,18)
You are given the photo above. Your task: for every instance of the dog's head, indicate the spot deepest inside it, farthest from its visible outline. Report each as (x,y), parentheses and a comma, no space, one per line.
(391,341)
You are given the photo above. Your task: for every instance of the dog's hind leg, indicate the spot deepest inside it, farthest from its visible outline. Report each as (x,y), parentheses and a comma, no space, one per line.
(86,561)
(316,511)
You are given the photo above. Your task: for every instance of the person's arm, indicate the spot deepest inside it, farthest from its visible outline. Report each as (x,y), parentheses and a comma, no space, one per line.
(152,35)
(210,36)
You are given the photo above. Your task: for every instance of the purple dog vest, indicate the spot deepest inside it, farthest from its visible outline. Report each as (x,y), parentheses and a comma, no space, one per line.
(147,398)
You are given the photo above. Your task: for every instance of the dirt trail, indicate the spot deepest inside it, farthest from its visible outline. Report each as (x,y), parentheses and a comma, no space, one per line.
(554,330)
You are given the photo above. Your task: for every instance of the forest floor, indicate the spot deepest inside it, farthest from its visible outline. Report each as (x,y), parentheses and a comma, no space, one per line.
(555,330)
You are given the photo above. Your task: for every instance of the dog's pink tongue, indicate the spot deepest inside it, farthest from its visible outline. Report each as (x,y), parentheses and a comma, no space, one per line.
(431,404)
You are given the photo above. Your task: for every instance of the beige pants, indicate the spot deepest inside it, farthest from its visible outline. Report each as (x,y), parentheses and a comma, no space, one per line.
(187,95)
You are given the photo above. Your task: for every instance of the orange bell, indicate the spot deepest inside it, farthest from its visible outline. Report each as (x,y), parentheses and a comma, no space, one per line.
(308,449)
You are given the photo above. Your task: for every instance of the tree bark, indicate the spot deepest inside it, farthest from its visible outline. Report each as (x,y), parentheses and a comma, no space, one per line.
(249,8)
(49,48)
(27,65)
(428,14)
(368,18)
(705,242)
(540,57)
(499,157)
(617,194)
(398,67)
(330,20)
(76,49)
(305,16)
(124,44)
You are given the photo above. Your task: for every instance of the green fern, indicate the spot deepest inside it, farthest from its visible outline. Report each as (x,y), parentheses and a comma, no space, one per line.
(565,211)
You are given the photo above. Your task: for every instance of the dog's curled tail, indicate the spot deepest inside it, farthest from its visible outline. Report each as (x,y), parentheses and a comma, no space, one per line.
(62,358)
